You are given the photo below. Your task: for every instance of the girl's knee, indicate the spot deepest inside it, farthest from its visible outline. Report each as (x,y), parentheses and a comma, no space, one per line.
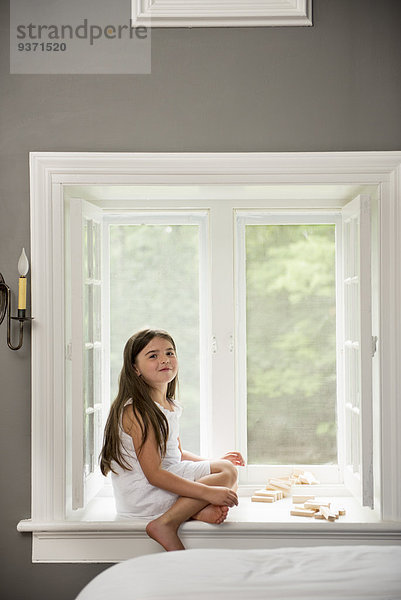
(232,473)
(228,469)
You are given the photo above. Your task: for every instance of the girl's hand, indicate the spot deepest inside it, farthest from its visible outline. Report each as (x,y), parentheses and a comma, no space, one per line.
(221,496)
(235,458)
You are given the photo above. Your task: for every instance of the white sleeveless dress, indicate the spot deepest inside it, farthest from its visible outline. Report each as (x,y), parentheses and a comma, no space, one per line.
(134,495)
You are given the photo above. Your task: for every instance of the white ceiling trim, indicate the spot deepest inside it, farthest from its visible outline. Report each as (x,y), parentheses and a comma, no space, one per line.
(221,13)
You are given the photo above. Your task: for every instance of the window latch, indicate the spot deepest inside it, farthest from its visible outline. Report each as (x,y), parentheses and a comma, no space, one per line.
(374,344)
(68,351)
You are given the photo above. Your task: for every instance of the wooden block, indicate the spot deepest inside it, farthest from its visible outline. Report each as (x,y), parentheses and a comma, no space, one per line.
(272,491)
(276,494)
(338,510)
(282,486)
(307,478)
(302,512)
(284,492)
(315,504)
(297,499)
(327,513)
(318,515)
(313,507)
(280,483)
(262,499)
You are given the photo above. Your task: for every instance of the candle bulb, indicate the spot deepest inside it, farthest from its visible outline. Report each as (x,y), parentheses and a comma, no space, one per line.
(23,267)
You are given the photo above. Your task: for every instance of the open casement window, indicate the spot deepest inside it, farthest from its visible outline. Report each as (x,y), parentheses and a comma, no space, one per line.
(358,471)
(86,351)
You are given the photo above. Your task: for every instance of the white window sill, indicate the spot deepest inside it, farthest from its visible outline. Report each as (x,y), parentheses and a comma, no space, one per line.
(101,536)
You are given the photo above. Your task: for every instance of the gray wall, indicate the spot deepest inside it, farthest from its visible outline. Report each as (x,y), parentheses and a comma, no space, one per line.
(332,87)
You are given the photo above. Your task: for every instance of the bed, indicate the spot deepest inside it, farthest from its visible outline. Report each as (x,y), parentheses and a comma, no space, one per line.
(340,572)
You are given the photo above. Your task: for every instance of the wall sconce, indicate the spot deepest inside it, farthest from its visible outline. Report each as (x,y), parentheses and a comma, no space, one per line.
(5,302)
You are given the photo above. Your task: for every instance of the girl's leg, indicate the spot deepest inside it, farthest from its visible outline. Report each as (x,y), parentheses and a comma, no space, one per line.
(164,529)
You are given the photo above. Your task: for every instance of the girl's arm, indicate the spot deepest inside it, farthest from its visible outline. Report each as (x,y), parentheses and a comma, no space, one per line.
(150,461)
(185,455)
(234,457)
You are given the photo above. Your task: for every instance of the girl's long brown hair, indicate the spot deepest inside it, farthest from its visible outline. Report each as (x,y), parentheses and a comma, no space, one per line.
(131,386)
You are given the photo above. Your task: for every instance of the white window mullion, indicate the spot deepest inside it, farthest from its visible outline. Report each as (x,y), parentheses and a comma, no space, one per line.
(223,423)
(241,347)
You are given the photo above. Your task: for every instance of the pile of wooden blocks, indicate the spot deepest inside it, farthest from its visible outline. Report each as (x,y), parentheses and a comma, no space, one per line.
(303,477)
(280,487)
(309,506)
(277,488)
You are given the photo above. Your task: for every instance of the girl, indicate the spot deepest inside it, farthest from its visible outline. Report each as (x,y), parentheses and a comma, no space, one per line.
(152,476)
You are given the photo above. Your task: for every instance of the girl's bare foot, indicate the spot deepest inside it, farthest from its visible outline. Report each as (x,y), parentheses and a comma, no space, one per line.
(165,534)
(212,514)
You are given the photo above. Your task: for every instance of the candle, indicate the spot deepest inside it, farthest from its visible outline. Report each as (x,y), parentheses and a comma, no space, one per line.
(23,267)
(22,293)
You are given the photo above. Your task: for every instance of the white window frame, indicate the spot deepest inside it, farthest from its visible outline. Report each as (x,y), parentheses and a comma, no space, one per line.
(220,13)
(50,172)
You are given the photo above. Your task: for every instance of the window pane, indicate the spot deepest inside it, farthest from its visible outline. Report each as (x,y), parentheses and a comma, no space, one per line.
(96,233)
(97,312)
(89,459)
(291,344)
(86,227)
(88,379)
(154,283)
(97,375)
(88,313)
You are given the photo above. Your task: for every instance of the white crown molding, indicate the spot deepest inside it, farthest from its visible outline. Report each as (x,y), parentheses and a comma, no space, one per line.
(221,13)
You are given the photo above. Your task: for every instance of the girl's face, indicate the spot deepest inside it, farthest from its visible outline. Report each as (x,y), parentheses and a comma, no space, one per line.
(157,362)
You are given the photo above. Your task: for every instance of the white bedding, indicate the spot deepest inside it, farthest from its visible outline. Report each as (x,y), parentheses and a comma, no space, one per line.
(340,572)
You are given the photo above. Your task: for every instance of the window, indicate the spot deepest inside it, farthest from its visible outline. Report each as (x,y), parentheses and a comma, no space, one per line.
(288,302)
(156,269)
(224,194)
